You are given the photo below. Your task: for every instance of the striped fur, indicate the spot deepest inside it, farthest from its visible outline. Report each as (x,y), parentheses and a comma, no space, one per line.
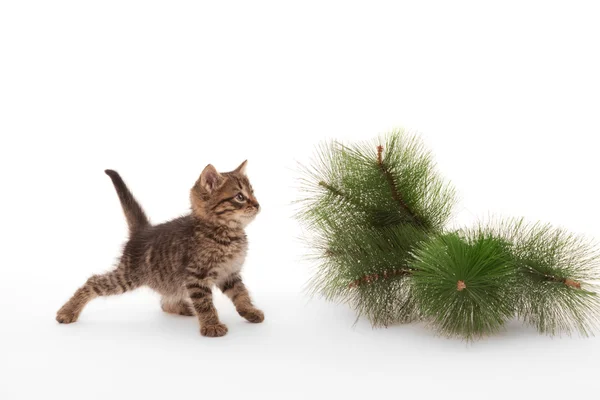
(134,214)
(235,289)
(185,258)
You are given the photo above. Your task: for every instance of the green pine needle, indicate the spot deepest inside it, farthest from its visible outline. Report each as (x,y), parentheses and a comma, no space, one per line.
(463,284)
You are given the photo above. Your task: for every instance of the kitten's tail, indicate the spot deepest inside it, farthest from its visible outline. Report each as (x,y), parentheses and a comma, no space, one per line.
(136,218)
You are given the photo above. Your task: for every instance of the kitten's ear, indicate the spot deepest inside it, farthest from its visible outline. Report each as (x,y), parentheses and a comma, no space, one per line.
(210,179)
(242,168)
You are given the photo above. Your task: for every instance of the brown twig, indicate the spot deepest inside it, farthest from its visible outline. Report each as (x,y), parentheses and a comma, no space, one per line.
(379,154)
(332,189)
(376,277)
(567,281)
(395,193)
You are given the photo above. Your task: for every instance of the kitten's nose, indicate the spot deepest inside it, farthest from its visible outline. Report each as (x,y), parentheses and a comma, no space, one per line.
(257,206)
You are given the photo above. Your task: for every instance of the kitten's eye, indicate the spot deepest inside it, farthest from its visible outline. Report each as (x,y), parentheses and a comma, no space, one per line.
(240,197)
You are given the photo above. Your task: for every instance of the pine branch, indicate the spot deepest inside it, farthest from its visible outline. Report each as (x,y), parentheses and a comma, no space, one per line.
(552,267)
(464,284)
(379,234)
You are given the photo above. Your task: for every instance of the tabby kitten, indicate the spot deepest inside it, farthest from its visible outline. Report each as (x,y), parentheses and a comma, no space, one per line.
(184,258)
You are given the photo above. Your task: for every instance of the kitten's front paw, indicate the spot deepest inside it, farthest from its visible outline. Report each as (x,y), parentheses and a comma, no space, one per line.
(213,330)
(253,315)
(66,317)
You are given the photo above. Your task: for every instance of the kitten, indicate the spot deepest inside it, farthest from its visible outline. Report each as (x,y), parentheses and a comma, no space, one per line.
(184,258)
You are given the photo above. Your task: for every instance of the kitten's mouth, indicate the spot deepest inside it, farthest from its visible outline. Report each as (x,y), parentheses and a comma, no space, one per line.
(250,215)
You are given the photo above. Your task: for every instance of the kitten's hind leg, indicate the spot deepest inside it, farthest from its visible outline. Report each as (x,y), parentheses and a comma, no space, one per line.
(176,305)
(115,282)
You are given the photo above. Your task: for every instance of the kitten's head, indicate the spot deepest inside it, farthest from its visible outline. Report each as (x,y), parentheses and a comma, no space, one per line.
(224,198)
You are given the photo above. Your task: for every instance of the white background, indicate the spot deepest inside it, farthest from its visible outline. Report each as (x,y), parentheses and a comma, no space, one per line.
(506,95)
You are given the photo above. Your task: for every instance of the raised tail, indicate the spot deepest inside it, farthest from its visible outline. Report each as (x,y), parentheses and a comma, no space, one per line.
(136,218)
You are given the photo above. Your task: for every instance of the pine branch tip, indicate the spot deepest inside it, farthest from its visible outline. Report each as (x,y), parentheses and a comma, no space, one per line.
(572,283)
